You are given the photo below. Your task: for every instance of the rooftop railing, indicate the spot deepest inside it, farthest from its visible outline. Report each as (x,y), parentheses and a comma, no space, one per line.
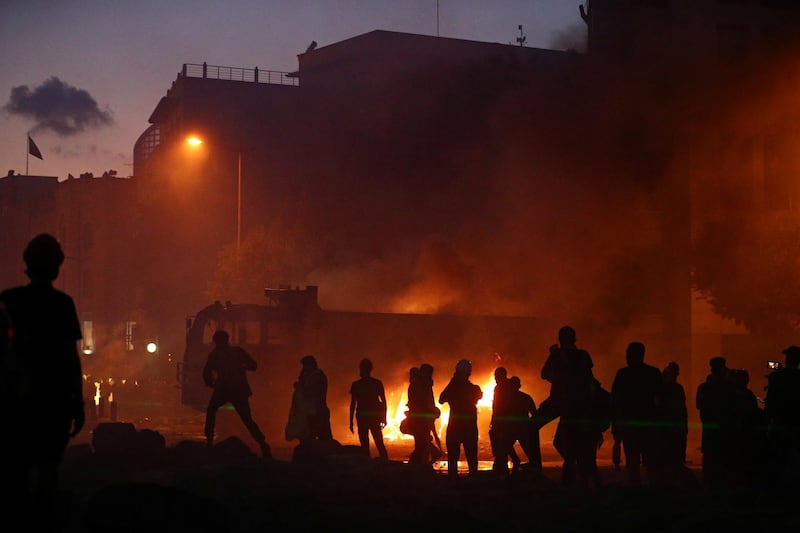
(252,75)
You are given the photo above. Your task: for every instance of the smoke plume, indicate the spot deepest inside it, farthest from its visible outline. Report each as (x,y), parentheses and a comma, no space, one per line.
(59,107)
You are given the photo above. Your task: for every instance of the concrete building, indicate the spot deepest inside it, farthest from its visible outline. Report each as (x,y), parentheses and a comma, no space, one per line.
(425,141)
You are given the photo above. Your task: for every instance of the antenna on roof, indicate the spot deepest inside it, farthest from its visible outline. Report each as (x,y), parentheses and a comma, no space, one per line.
(437,18)
(521,39)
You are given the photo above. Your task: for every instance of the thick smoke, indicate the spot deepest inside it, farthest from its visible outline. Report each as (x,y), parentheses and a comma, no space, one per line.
(59,107)
(562,195)
(571,38)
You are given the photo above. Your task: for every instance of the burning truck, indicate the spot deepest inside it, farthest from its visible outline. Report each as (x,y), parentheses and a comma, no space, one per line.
(291,323)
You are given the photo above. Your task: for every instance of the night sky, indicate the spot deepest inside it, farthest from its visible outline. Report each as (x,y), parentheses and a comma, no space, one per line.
(83,76)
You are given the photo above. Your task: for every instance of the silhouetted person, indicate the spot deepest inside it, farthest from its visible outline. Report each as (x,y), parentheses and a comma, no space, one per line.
(616,451)
(226,372)
(716,401)
(569,371)
(435,445)
(462,427)
(422,413)
(311,395)
(782,409)
(522,409)
(43,396)
(749,437)
(635,395)
(670,450)
(368,404)
(578,437)
(500,430)
(572,387)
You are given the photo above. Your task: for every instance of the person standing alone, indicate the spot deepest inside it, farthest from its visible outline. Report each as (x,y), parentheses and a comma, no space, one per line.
(42,384)
(225,371)
(368,404)
(635,396)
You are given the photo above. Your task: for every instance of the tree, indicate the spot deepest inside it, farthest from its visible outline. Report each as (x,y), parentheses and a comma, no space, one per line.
(267,256)
(747,268)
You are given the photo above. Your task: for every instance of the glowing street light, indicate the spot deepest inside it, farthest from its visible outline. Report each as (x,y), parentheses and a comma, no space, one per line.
(196,141)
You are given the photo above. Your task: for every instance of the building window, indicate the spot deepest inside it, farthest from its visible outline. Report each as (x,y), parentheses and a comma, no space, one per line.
(87,344)
(130,330)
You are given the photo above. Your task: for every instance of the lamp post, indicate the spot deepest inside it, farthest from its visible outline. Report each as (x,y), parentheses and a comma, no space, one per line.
(196,141)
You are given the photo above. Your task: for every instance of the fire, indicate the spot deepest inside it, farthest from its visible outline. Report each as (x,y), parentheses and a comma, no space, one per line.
(397,405)
(394,415)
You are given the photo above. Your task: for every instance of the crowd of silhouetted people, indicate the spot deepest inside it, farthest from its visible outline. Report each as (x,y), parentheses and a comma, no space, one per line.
(743,445)
(645,409)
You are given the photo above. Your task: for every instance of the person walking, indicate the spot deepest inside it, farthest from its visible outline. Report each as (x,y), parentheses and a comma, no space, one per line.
(311,402)
(225,372)
(522,409)
(368,404)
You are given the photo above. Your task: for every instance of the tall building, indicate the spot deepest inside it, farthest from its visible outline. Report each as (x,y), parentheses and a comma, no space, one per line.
(403,172)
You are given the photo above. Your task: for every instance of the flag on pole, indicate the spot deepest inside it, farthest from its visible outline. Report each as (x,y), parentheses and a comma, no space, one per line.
(33,149)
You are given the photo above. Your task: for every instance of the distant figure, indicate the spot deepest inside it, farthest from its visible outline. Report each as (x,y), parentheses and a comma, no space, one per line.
(310,401)
(42,384)
(782,409)
(716,401)
(522,409)
(462,428)
(368,404)
(635,394)
(500,431)
(670,458)
(225,371)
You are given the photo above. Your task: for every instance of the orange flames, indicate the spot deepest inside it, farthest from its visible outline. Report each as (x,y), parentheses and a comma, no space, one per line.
(397,405)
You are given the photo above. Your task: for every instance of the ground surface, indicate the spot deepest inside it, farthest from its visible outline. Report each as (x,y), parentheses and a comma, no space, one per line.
(189,488)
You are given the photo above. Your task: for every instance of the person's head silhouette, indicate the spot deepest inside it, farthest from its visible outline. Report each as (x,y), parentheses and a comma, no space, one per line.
(43,258)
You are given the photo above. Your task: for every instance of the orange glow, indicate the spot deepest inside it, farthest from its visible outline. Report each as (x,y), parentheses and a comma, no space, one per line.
(194,141)
(397,400)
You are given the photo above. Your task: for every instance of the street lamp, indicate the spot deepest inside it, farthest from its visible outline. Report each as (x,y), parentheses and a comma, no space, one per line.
(196,141)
